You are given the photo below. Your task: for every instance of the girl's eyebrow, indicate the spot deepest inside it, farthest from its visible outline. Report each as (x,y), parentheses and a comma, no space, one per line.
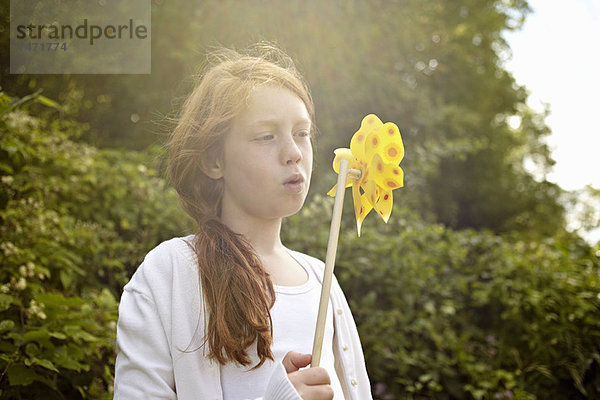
(275,122)
(264,122)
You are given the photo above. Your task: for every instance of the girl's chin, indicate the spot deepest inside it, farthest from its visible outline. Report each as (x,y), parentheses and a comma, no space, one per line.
(294,209)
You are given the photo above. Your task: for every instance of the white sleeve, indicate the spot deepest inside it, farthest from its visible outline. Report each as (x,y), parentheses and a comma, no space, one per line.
(144,368)
(280,387)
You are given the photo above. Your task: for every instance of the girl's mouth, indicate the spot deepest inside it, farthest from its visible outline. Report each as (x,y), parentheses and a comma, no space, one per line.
(295,184)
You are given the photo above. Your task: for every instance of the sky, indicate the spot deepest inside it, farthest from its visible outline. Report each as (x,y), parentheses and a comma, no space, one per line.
(556,55)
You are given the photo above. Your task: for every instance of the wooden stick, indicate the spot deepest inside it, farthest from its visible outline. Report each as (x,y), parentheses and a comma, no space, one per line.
(334,233)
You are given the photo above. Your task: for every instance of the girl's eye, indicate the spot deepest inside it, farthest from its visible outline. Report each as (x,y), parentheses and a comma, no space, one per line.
(264,138)
(303,134)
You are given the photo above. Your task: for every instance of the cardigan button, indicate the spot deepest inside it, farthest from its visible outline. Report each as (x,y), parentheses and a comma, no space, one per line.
(345,347)
(339,311)
(353,382)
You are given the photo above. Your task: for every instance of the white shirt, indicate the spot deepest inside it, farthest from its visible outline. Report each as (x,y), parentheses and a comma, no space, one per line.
(294,317)
(160,352)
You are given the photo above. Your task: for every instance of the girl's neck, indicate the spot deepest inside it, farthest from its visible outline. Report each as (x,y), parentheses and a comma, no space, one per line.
(263,235)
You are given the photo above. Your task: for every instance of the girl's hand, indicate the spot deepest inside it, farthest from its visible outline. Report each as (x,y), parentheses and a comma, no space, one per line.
(310,383)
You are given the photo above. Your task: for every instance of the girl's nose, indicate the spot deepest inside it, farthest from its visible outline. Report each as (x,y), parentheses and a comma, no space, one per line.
(291,152)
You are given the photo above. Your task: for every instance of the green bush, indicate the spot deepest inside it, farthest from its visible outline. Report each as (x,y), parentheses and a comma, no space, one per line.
(442,314)
(75,223)
(464,315)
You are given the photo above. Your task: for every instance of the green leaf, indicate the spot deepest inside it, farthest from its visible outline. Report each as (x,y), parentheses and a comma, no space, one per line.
(64,358)
(40,335)
(44,363)
(66,278)
(77,333)
(20,375)
(58,335)
(5,301)
(6,168)
(47,102)
(32,349)
(6,325)
(58,300)
(7,347)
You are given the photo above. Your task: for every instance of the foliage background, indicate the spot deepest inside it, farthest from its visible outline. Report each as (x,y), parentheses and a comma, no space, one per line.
(475,289)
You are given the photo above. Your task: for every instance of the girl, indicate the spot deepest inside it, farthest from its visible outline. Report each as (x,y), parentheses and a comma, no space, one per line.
(230,312)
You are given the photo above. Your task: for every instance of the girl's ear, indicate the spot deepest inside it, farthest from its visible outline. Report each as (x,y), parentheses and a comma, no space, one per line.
(212,166)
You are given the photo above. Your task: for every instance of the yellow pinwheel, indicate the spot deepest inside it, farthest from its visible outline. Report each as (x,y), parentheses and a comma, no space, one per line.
(370,166)
(376,149)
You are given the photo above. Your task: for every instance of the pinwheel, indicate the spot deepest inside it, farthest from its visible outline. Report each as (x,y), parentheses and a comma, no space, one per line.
(376,149)
(370,167)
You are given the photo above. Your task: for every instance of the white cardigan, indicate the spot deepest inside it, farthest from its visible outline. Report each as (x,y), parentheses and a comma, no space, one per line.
(159,334)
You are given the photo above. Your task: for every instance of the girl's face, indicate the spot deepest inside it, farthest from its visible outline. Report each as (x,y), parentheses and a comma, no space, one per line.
(267,157)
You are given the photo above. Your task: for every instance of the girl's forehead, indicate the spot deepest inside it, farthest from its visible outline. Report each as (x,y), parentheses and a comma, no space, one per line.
(268,104)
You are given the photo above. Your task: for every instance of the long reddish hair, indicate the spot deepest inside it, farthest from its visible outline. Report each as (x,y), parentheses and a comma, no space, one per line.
(237,291)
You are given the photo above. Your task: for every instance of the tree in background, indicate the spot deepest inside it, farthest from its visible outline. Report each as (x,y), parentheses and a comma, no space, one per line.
(433,67)
(474,290)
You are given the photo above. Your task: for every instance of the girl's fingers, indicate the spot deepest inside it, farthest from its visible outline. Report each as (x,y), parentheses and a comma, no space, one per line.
(312,383)
(293,361)
(315,376)
(320,392)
